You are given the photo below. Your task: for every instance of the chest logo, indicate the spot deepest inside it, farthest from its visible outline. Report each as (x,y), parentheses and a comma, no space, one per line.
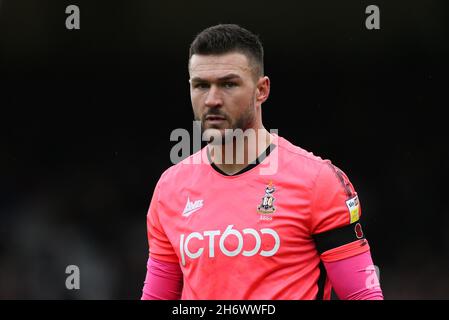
(191,207)
(267,205)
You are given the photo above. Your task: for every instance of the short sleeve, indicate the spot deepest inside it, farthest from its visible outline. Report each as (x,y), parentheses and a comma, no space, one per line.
(334,201)
(159,245)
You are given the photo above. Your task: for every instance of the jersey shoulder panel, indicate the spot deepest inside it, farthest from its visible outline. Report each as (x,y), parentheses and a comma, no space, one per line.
(300,162)
(189,167)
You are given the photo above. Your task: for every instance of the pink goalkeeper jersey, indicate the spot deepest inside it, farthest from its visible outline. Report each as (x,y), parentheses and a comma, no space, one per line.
(249,236)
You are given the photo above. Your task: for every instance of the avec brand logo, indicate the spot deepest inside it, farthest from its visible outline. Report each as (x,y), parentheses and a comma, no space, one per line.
(191,207)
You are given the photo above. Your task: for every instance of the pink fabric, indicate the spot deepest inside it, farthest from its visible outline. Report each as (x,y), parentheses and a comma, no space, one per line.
(163,281)
(354,278)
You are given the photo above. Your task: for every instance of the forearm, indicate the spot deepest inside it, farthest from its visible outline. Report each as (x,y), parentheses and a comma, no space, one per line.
(354,278)
(163,281)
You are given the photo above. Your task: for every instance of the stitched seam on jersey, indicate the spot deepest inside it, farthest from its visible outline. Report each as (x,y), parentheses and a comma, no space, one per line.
(298,153)
(314,195)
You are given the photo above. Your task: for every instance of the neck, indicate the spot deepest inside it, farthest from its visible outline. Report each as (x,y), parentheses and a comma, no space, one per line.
(237,153)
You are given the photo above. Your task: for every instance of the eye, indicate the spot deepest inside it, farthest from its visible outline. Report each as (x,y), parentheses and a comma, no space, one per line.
(201,85)
(229,84)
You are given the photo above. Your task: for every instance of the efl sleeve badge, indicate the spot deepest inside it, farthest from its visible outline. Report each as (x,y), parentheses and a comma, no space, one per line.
(354,209)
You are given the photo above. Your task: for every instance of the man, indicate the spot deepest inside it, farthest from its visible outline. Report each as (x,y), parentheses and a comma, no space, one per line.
(229,230)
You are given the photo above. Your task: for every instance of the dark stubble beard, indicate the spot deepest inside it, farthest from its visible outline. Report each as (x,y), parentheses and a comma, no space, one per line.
(244,122)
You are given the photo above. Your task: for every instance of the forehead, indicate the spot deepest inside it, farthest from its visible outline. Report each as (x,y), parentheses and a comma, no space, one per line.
(214,66)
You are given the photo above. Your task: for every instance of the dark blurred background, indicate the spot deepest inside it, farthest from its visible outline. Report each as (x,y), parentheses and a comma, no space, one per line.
(86,116)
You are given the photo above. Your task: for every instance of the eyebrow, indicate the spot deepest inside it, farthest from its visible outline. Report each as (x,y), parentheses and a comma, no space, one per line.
(226,77)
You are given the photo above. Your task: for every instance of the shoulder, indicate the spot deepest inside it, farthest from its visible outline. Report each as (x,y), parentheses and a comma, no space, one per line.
(318,170)
(300,160)
(183,171)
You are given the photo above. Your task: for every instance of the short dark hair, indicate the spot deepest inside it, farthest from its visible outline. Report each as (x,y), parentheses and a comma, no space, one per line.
(227,38)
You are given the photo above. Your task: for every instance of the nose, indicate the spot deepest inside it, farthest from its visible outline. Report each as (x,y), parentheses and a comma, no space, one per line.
(213,98)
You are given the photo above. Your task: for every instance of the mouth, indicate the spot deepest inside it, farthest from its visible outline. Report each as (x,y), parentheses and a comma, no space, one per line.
(215,119)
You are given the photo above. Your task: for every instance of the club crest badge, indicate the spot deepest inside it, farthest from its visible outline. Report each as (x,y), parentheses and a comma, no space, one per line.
(267,205)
